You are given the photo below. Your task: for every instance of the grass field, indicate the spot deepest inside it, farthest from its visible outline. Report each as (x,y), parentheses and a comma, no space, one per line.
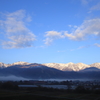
(42,95)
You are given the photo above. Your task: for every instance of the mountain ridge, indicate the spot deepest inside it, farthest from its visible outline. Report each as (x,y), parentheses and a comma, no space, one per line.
(72,66)
(40,71)
(60,66)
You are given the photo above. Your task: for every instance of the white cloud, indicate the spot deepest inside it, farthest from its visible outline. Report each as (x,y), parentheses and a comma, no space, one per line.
(95,7)
(29,19)
(81,47)
(54,34)
(75,26)
(86,46)
(60,51)
(89,27)
(51,36)
(75,36)
(96,44)
(70,25)
(84,2)
(18,35)
(48,41)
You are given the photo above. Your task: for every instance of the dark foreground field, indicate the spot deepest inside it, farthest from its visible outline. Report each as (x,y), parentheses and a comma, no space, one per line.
(11,91)
(46,95)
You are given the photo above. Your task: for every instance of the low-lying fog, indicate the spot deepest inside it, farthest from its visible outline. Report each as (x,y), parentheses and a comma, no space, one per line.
(15,78)
(12,78)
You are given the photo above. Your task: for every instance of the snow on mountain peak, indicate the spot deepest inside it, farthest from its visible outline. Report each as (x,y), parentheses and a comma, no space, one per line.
(3,65)
(21,63)
(97,65)
(68,66)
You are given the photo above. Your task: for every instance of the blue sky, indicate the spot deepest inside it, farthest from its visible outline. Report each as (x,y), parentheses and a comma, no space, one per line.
(50,31)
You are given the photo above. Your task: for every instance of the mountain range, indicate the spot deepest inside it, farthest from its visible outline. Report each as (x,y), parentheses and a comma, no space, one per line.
(72,66)
(60,66)
(51,70)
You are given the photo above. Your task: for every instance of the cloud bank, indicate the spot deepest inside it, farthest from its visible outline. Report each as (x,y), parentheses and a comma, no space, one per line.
(15,30)
(19,36)
(88,28)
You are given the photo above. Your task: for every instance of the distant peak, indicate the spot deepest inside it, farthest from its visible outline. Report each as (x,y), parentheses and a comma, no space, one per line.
(21,63)
(96,63)
(70,63)
(81,63)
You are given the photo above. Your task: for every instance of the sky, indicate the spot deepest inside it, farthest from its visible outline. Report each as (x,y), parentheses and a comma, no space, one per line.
(50,31)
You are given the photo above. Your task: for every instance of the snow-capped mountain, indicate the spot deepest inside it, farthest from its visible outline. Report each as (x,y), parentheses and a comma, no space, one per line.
(60,66)
(2,65)
(76,67)
(72,66)
(20,63)
(68,67)
(51,70)
(97,65)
